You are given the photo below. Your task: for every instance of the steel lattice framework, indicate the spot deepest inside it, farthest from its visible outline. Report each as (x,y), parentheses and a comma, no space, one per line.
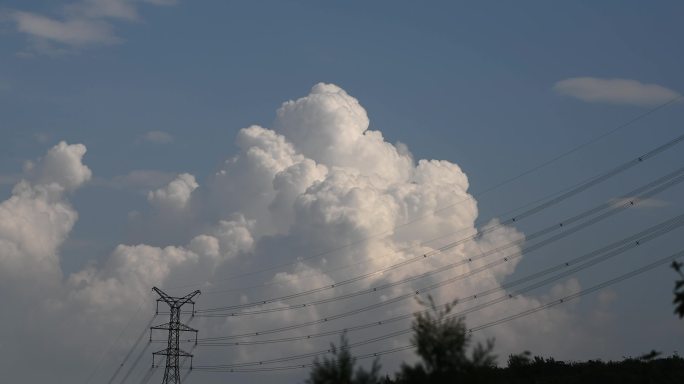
(172,351)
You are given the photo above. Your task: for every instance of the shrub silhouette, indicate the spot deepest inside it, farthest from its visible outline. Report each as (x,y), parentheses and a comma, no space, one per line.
(339,369)
(441,343)
(679,289)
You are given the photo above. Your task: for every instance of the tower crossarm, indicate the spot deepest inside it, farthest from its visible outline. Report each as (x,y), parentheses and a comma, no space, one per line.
(187,298)
(178,327)
(167,352)
(164,297)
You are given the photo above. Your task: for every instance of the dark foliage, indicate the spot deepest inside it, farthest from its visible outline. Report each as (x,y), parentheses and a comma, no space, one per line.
(523,369)
(442,343)
(679,289)
(339,369)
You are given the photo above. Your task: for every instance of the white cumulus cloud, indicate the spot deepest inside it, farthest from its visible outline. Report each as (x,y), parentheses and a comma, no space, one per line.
(176,194)
(296,216)
(62,165)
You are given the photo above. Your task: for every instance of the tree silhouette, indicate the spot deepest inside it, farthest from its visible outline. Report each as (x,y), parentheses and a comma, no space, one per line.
(339,369)
(679,289)
(441,343)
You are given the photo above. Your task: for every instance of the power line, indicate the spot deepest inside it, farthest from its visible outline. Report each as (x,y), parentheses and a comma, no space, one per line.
(567,153)
(546,281)
(567,194)
(326,271)
(145,379)
(136,361)
(589,259)
(585,144)
(564,299)
(469,197)
(128,355)
(362,309)
(117,338)
(642,237)
(614,209)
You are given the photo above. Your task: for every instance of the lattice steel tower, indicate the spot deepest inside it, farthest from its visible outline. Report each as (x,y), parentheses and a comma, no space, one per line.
(172,351)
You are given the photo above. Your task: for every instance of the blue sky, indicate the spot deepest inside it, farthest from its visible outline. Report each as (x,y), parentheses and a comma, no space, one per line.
(476,84)
(178,69)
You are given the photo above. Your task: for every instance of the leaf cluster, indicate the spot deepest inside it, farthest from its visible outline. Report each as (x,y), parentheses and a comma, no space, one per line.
(442,343)
(339,368)
(679,289)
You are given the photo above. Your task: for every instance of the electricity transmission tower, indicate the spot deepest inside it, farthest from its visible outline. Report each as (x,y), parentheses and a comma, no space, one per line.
(172,351)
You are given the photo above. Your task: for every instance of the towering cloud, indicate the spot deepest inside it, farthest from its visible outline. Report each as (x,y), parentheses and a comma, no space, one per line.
(318,199)
(36,220)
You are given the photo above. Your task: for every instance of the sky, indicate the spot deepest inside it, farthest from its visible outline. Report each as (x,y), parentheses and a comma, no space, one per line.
(280,151)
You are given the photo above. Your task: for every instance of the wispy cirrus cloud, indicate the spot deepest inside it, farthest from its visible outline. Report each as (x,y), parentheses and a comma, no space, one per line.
(615,91)
(76,25)
(44,31)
